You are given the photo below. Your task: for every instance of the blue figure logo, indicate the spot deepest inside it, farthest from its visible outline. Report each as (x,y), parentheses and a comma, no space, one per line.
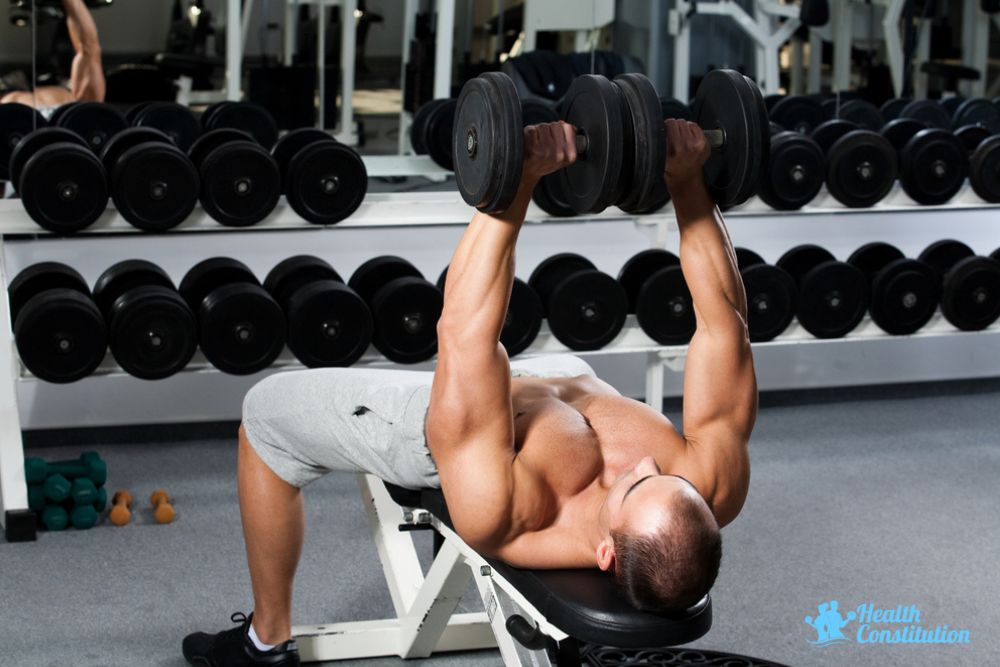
(828,624)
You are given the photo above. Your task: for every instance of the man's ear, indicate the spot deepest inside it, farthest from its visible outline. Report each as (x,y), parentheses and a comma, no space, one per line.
(606,554)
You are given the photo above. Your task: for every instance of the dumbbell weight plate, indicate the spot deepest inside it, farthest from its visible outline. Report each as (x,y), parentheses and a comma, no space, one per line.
(418,128)
(212,139)
(63,187)
(826,134)
(899,131)
(206,118)
(674,108)
(943,255)
(797,113)
(369,278)
(794,174)
(16,122)
(328,324)
(548,197)
(553,270)
(125,140)
(439,133)
(977,111)
(488,145)
(587,310)
(984,170)
(291,274)
(327,181)
(644,170)
(928,112)
(934,165)
(972,135)
(664,309)
(94,121)
(746,258)
(861,168)
(247,116)
(832,295)
(291,143)
(58,113)
(771,301)
(892,108)
(134,110)
(904,292)
(406,311)
(638,268)
(951,104)
(863,113)
(240,184)
(31,143)
(175,120)
(971,296)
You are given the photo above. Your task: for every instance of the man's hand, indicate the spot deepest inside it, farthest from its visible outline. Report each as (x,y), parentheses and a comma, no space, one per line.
(547,148)
(687,151)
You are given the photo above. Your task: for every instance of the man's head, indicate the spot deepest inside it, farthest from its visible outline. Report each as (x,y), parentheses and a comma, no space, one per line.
(659,537)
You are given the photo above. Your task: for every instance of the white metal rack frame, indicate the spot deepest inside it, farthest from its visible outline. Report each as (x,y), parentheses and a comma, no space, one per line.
(439,209)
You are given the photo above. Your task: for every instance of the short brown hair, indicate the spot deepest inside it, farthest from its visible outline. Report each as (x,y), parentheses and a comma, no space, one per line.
(672,568)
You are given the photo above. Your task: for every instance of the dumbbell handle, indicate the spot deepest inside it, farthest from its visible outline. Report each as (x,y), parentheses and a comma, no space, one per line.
(716,139)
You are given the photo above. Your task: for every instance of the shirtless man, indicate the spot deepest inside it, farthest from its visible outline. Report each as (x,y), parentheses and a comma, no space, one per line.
(86,80)
(551,468)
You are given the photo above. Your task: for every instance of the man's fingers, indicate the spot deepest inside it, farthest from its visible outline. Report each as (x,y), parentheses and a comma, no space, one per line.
(569,137)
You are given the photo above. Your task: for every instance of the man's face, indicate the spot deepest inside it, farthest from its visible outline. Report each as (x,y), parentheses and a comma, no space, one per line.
(640,499)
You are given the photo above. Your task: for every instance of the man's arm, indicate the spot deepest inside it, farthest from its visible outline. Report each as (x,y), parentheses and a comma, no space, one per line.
(720,388)
(86,80)
(470,428)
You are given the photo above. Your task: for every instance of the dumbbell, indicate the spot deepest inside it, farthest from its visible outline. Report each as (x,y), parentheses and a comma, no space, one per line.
(405,308)
(59,331)
(241,329)
(951,104)
(154,184)
(794,174)
(977,111)
(89,465)
(62,184)
(152,331)
(175,120)
(547,193)
(585,308)
(327,323)
(656,292)
(96,122)
(54,517)
(671,107)
(933,162)
(163,511)
(984,170)
(970,294)
(16,122)
(797,113)
(860,164)
(240,181)
(930,112)
(904,293)
(524,316)
(972,135)
(432,130)
(862,113)
(121,510)
(891,108)
(771,296)
(248,117)
(323,180)
(832,295)
(81,517)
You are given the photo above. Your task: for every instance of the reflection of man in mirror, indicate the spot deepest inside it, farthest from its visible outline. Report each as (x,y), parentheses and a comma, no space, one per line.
(86,80)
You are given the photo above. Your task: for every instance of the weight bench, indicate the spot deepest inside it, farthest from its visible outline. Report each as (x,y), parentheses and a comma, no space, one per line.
(535,617)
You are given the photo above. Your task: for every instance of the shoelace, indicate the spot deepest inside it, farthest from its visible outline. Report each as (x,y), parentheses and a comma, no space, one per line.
(238,617)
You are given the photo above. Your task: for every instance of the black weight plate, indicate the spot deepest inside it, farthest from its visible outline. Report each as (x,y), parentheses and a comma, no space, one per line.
(40,277)
(371,276)
(553,270)
(405,312)
(951,104)
(928,112)
(134,110)
(645,169)
(797,113)
(60,110)
(664,309)
(488,143)
(971,296)
(944,254)
(746,257)
(726,101)
(418,128)
(826,134)
(211,140)
(830,106)
(125,276)
(794,173)
(774,128)
(623,187)
(549,198)
(94,121)
(977,111)
(152,333)
(252,118)
(984,170)
(440,133)
(771,100)
(656,203)
(771,301)
(211,274)
(290,275)
(240,184)
(60,336)
(328,324)
(861,168)
(934,166)
(904,296)
(801,259)
(326,183)
(891,108)
(207,116)
(241,329)
(873,257)
(638,268)
(154,186)
(16,122)
(762,132)
(833,297)
(64,188)
(587,310)
(32,143)
(863,113)
(523,320)
(674,108)
(291,143)
(592,105)
(125,140)
(995,255)
(537,112)
(900,131)
(175,120)
(972,135)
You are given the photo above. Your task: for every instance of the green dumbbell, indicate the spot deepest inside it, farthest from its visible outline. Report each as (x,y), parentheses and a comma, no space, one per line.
(83,492)
(36,497)
(55,517)
(88,465)
(57,488)
(101,500)
(83,517)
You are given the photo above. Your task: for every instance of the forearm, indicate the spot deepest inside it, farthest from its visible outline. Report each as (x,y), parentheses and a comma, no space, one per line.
(81,27)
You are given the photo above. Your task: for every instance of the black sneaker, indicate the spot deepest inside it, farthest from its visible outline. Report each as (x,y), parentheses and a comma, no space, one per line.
(233,648)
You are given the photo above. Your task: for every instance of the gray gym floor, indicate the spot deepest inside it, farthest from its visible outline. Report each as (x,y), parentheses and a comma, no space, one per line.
(884,494)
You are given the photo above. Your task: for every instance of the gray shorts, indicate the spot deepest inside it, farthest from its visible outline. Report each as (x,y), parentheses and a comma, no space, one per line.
(304,424)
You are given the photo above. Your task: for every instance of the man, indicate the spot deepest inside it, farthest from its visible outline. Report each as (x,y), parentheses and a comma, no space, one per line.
(551,468)
(86,81)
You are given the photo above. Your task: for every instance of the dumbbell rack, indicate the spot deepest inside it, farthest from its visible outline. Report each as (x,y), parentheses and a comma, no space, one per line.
(442,209)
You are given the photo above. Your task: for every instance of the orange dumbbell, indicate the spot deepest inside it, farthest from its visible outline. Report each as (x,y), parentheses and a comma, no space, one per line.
(120,514)
(162,510)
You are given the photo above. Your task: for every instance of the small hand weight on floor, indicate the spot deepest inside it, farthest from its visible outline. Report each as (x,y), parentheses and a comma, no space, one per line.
(121,512)
(163,511)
